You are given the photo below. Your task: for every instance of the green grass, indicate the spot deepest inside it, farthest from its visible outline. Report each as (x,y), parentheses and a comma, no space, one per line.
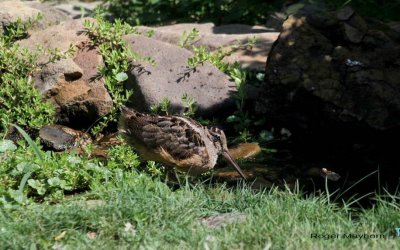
(164,219)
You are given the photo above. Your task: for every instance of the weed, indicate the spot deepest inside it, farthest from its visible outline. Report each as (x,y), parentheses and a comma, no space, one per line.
(202,54)
(155,169)
(117,57)
(190,105)
(149,33)
(164,107)
(240,118)
(121,156)
(19,29)
(30,172)
(55,54)
(188,38)
(20,102)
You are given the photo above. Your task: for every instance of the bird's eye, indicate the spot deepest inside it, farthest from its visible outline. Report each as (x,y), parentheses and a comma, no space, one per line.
(216,138)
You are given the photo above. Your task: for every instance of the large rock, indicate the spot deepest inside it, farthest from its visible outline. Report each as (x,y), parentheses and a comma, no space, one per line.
(72,84)
(11,11)
(333,67)
(170,77)
(333,79)
(215,37)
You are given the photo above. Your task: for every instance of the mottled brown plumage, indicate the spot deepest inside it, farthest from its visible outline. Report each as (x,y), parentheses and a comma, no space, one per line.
(175,141)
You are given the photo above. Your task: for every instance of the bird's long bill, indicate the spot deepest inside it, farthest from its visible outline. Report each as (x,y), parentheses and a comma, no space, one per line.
(228,157)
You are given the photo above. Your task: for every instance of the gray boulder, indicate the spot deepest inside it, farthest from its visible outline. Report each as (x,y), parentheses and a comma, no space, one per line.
(171,78)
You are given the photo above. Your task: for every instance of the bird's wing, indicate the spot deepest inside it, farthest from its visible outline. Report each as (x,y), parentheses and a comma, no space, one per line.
(172,134)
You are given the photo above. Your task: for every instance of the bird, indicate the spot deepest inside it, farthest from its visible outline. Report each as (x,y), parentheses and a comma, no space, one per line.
(175,141)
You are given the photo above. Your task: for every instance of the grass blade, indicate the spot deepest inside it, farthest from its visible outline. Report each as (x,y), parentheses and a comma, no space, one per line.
(37,151)
(31,143)
(353,185)
(23,181)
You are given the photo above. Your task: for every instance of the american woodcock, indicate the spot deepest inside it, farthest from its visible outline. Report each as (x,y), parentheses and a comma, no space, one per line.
(175,141)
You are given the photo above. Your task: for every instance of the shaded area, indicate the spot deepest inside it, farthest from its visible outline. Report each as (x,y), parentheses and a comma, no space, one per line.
(170,11)
(332,80)
(240,11)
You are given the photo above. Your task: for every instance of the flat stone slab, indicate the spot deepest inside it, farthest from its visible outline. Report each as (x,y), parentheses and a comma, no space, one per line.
(214,37)
(170,77)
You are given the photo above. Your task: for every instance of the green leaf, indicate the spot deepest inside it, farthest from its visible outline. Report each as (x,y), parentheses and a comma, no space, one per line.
(16,195)
(38,186)
(121,77)
(54,182)
(23,181)
(7,145)
(24,167)
(232,118)
(63,185)
(260,76)
(73,159)
(37,151)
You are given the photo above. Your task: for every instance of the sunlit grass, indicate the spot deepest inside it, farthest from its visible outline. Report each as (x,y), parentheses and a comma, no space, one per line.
(138,211)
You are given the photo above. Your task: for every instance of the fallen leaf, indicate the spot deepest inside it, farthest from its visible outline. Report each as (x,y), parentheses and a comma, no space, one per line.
(61,235)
